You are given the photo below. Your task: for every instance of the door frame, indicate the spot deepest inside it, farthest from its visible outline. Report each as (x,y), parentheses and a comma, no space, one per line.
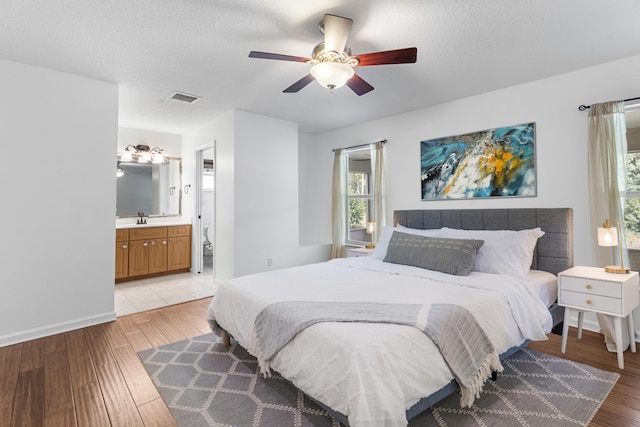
(199,169)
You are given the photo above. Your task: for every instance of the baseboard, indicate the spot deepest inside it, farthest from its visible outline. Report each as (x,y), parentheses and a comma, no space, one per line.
(57,328)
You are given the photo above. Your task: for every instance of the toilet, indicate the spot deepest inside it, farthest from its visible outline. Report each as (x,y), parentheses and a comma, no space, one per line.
(207,246)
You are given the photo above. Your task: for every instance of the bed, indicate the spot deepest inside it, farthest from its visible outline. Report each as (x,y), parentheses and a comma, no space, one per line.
(367,373)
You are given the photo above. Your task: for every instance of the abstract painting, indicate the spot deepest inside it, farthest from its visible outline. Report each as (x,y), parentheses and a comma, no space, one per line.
(491,163)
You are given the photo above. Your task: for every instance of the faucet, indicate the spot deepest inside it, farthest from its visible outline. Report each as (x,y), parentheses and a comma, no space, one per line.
(142,219)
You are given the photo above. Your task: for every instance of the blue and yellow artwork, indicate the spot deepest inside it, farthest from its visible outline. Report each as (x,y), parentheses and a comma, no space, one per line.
(492,163)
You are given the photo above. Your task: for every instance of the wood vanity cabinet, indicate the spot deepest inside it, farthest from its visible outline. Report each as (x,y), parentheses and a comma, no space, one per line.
(153,251)
(179,247)
(122,253)
(147,250)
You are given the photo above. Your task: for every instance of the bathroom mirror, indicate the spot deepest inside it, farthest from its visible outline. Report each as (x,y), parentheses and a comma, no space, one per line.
(154,189)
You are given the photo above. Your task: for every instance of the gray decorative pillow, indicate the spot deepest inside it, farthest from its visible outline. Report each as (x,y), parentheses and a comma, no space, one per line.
(451,256)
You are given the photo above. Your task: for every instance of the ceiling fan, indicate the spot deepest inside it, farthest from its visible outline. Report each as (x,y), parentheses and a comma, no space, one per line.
(332,62)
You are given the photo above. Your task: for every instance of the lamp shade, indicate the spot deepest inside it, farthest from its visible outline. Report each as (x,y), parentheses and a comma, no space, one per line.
(127,156)
(607,236)
(332,74)
(158,158)
(145,157)
(371,226)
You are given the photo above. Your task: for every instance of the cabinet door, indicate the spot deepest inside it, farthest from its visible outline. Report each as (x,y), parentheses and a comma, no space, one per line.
(138,257)
(157,255)
(122,259)
(179,253)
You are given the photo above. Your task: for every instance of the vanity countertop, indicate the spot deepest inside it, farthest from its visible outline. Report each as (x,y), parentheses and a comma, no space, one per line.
(152,223)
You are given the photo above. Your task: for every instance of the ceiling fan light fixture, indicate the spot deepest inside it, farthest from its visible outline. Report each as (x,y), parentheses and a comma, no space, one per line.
(332,75)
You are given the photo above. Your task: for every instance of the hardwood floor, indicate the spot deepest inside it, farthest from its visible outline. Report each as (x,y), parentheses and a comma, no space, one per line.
(622,406)
(93,376)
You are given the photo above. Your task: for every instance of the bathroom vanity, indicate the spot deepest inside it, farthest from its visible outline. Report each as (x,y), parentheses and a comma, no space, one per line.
(146,251)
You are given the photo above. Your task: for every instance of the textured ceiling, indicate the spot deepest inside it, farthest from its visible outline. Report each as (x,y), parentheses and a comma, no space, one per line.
(154,47)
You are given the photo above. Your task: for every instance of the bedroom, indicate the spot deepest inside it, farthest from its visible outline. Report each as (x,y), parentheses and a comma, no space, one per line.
(45,298)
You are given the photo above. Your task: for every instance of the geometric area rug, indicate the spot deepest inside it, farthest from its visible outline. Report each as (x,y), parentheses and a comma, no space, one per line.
(207,384)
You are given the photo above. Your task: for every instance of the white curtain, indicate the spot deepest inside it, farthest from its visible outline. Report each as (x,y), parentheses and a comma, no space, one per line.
(339,204)
(379,188)
(607,189)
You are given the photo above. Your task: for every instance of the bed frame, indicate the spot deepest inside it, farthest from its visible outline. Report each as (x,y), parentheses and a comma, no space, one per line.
(553,253)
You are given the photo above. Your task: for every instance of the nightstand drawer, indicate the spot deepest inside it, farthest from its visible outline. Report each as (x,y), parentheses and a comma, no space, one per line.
(591,302)
(356,252)
(589,286)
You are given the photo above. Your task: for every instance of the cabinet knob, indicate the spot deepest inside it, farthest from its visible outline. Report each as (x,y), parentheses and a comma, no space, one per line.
(588,286)
(146,244)
(589,301)
(164,242)
(124,246)
(153,243)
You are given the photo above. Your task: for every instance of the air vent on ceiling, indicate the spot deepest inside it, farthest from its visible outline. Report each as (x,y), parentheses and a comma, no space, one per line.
(184,97)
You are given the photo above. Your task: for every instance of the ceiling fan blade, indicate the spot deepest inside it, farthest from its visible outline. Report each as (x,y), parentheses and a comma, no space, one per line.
(398,56)
(336,32)
(358,85)
(299,84)
(277,56)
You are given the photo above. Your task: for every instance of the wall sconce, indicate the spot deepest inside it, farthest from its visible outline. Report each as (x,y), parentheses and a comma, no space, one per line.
(611,236)
(371,228)
(143,153)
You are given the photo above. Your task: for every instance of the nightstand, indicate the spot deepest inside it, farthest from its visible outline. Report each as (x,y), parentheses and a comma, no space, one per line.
(354,252)
(592,289)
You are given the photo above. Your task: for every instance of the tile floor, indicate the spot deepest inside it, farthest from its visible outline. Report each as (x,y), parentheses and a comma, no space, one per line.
(146,294)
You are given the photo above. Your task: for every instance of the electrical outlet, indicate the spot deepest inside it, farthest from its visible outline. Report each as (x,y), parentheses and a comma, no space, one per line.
(269,262)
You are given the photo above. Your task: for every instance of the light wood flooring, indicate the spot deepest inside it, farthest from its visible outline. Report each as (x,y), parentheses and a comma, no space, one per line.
(93,376)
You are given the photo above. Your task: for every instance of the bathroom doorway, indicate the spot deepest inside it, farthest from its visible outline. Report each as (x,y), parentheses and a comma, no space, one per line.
(205,206)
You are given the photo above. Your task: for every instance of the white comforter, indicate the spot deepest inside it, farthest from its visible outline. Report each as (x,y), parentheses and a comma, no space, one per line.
(373,372)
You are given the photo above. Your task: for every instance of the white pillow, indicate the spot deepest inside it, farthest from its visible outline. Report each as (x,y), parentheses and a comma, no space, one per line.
(504,251)
(387,231)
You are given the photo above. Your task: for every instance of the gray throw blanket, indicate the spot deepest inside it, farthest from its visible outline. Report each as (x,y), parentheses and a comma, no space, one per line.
(463,344)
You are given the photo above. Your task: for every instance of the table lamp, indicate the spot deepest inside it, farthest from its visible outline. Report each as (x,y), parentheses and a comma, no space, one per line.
(371,228)
(611,236)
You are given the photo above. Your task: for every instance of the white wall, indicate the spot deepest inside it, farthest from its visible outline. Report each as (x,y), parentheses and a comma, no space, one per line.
(58,208)
(257,207)
(220,130)
(266,193)
(561,146)
(314,185)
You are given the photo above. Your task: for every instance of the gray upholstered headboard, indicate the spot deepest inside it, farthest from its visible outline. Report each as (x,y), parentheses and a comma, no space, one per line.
(554,251)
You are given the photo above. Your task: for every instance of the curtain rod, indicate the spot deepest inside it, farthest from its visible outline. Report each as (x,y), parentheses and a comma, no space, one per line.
(584,107)
(384,141)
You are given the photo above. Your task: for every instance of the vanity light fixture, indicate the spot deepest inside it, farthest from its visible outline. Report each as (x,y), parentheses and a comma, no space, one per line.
(143,153)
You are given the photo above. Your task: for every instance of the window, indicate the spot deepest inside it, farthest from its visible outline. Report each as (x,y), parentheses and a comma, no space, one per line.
(632,202)
(359,195)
